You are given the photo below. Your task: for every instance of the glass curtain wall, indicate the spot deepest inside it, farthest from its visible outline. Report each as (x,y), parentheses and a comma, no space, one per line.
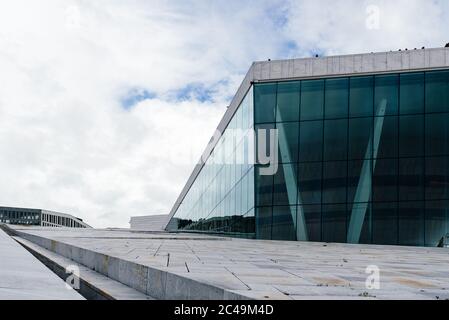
(361,159)
(221,200)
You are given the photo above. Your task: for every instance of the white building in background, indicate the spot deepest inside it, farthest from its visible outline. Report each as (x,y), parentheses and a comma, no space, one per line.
(40,217)
(149,223)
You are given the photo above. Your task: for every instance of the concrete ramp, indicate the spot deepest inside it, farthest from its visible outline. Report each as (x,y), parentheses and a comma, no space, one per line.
(92,285)
(23,277)
(170,266)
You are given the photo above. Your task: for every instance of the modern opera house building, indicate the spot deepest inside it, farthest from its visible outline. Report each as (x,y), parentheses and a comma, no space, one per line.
(358,148)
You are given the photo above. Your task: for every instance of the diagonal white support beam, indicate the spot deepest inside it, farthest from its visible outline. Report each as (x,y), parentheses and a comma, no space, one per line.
(363,192)
(291,185)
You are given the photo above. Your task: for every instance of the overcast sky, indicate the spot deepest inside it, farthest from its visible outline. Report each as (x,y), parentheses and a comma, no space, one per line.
(99,98)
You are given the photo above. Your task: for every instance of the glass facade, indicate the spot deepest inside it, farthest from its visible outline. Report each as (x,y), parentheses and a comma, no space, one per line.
(368,161)
(362,159)
(222,198)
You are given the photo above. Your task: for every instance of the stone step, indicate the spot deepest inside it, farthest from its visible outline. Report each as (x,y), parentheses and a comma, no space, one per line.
(149,281)
(23,277)
(92,285)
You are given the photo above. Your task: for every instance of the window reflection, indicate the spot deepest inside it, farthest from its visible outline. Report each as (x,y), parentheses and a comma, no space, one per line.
(361,159)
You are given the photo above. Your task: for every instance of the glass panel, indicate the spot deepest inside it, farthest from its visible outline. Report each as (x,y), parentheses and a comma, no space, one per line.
(360,141)
(411,223)
(386,95)
(412,93)
(411,136)
(238,200)
(244,190)
(312,214)
(344,164)
(250,98)
(283,226)
(336,101)
(411,179)
(251,193)
(311,141)
(250,223)
(437,91)
(385,180)
(309,183)
(335,139)
(312,99)
(334,182)
(285,185)
(264,220)
(245,114)
(385,223)
(243,224)
(266,144)
(437,221)
(264,189)
(365,232)
(334,223)
(288,101)
(265,102)
(359,180)
(437,134)
(437,178)
(288,142)
(386,132)
(361,96)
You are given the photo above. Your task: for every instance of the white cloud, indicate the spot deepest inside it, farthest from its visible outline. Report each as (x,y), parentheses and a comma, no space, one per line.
(339,27)
(66,142)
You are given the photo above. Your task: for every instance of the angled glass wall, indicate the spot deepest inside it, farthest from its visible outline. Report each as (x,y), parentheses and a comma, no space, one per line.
(221,200)
(361,159)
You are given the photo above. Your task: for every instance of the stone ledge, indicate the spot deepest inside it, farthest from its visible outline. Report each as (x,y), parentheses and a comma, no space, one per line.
(150,281)
(93,285)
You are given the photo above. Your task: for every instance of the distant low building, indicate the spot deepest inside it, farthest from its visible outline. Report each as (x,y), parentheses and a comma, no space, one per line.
(149,223)
(39,217)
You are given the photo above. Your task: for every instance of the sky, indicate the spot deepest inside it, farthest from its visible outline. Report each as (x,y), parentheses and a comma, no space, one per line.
(106,105)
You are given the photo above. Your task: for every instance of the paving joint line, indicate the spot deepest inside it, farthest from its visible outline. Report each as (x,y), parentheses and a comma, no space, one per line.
(249,288)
